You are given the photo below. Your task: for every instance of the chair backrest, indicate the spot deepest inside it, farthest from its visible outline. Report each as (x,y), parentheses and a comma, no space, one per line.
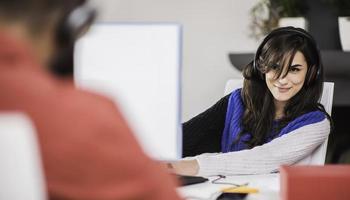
(319,155)
(233,84)
(20,164)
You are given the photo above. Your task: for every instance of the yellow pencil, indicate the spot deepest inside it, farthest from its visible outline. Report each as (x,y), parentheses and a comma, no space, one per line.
(242,189)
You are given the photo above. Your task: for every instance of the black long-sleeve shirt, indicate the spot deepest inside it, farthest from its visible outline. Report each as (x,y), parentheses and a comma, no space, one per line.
(202,134)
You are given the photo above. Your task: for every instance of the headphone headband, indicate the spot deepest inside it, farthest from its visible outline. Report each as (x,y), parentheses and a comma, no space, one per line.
(285,30)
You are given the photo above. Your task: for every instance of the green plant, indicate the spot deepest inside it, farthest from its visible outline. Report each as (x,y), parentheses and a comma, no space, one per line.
(290,8)
(342,7)
(264,19)
(266,13)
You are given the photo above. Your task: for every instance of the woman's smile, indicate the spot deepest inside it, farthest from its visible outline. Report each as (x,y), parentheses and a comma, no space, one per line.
(283,89)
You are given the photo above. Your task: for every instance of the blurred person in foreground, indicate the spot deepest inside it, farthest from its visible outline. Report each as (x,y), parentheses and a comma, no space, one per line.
(87,149)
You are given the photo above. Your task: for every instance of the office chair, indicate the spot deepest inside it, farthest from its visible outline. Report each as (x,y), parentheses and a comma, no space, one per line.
(20,164)
(319,155)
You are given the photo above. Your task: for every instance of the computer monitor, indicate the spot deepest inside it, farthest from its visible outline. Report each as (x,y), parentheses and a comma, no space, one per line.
(139,66)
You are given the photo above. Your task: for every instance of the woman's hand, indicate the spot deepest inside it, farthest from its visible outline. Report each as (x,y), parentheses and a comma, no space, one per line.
(185,167)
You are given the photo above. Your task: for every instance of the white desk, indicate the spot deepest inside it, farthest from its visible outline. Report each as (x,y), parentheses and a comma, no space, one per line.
(268,186)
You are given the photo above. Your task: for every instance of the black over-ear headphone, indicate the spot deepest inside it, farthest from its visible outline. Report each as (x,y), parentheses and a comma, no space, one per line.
(293,30)
(72,25)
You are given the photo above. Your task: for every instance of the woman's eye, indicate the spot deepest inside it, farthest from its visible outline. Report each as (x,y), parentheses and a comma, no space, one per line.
(274,66)
(294,70)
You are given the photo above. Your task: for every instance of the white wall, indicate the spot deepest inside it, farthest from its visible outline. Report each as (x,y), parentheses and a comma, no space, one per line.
(212,29)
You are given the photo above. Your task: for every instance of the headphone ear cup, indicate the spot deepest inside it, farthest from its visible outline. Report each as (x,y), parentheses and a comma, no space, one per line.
(63,34)
(69,28)
(314,75)
(74,24)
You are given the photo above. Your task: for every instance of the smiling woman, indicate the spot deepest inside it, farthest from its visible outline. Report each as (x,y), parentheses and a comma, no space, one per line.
(275,119)
(288,83)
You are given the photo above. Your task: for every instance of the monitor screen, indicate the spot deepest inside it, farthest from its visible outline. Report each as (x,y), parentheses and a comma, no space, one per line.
(138,65)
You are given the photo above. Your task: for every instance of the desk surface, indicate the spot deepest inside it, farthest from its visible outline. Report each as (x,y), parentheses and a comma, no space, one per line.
(268,186)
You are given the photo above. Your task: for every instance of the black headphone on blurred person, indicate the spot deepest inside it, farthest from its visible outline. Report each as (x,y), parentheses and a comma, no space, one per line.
(70,27)
(296,31)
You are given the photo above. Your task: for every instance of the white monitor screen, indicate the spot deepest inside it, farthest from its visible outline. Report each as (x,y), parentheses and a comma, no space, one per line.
(137,65)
